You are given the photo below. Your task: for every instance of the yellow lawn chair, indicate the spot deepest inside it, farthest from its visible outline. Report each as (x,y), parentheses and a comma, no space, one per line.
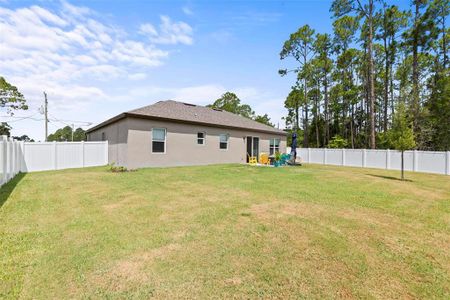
(264,159)
(252,160)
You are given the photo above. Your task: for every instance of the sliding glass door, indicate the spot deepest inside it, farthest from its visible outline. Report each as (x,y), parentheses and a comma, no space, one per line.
(252,147)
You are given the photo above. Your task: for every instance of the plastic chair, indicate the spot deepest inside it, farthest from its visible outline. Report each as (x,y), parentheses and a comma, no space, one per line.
(264,159)
(284,159)
(252,160)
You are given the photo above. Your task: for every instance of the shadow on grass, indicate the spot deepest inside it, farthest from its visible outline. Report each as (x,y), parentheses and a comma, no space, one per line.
(389,177)
(8,188)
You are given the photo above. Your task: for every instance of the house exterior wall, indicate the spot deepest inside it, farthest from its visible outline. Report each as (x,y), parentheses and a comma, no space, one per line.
(181,144)
(116,134)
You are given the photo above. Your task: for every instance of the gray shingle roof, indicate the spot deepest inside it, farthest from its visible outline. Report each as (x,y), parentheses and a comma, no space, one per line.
(199,114)
(191,113)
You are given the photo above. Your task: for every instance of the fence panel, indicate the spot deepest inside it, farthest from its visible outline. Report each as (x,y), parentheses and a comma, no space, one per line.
(38,157)
(430,161)
(396,160)
(376,158)
(69,155)
(317,156)
(354,157)
(95,154)
(301,152)
(334,156)
(64,155)
(18,156)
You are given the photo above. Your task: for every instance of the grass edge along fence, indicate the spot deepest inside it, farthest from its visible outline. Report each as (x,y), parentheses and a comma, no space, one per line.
(437,162)
(19,156)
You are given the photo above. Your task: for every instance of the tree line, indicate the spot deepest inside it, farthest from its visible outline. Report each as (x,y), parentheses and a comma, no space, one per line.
(349,84)
(230,102)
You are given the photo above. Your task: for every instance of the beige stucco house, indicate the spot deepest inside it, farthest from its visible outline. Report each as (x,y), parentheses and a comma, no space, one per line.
(171,133)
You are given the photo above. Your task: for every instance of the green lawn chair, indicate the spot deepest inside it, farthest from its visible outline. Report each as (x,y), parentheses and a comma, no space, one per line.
(284,159)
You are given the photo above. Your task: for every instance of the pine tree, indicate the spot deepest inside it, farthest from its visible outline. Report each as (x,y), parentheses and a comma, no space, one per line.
(300,47)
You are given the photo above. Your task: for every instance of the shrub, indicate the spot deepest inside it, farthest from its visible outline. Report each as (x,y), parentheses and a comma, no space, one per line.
(117,169)
(337,142)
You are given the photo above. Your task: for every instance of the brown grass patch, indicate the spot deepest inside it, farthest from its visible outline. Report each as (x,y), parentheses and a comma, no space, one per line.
(128,200)
(131,271)
(280,210)
(369,217)
(233,281)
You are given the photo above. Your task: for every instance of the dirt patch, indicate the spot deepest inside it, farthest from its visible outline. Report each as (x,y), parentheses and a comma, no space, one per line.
(233,281)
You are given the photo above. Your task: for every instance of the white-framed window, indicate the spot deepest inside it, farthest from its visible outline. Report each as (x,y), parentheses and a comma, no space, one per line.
(274,146)
(158,140)
(223,141)
(201,138)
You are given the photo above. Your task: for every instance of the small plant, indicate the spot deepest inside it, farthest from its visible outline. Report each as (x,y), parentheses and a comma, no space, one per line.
(117,169)
(277,159)
(277,156)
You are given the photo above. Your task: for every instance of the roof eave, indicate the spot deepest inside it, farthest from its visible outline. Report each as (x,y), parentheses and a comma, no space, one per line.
(280,132)
(107,122)
(128,114)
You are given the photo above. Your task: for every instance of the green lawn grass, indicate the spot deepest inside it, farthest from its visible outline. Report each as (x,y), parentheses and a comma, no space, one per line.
(225,231)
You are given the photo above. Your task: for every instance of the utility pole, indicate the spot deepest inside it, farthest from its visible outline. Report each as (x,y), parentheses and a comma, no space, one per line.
(46,115)
(73,127)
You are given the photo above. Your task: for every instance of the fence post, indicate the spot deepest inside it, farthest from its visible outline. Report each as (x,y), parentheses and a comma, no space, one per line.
(364,158)
(324,156)
(4,159)
(415,160)
(82,154)
(55,157)
(388,159)
(17,156)
(447,163)
(343,156)
(309,155)
(106,152)
(22,156)
(13,157)
(8,158)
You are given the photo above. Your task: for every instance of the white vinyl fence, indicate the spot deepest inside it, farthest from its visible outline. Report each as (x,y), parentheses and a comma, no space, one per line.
(11,157)
(18,156)
(417,161)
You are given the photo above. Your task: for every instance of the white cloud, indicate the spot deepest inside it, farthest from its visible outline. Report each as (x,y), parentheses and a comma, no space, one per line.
(222,36)
(149,29)
(201,94)
(137,76)
(169,32)
(187,10)
(71,52)
(73,11)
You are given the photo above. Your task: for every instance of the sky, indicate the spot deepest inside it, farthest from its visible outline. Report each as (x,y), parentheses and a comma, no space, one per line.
(96,59)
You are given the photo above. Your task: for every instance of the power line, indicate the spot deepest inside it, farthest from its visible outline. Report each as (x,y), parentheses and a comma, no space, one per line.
(53,119)
(72,121)
(22,118)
